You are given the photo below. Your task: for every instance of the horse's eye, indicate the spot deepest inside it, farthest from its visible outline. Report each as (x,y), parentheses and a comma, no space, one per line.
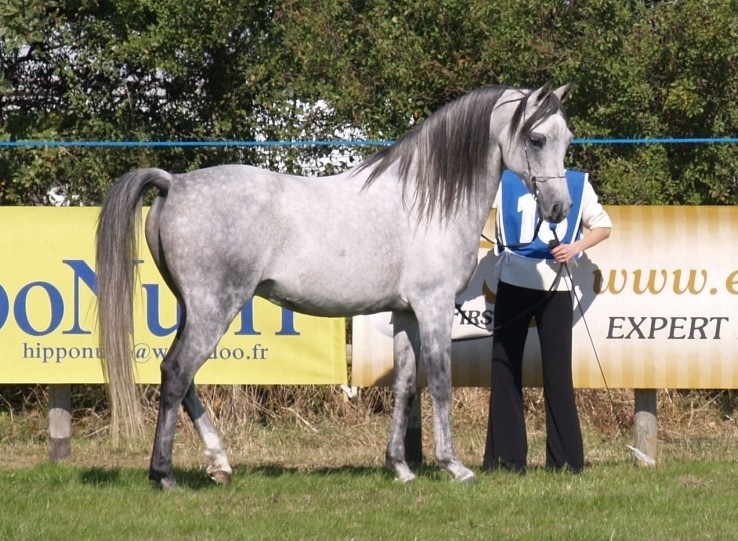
(537,140)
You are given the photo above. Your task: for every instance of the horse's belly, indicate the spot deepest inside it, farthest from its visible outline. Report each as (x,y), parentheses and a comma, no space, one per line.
(335,299)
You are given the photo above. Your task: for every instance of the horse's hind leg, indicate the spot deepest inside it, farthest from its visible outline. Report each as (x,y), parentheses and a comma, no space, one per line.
(219,469)
(173,389)
(405,384)
(190,350)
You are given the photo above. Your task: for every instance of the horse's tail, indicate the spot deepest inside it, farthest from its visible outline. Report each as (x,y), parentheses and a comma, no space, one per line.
(116,254)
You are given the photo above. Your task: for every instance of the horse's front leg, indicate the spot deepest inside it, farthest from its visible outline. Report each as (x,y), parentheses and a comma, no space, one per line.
(405,361)
(219,469)
(435,352)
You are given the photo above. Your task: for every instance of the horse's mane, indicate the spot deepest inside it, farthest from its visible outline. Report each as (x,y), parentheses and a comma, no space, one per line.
(449,150)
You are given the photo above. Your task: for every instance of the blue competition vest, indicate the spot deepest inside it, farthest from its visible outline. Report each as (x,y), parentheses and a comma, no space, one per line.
(517,217)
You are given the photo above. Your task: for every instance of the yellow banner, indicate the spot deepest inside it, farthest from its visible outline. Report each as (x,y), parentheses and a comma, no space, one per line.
(659,301)
(48,318)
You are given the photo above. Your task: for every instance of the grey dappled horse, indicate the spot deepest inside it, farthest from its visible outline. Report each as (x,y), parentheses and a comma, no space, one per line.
(398,232)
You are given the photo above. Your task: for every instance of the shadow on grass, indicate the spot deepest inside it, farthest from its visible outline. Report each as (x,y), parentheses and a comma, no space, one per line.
(191,478)
(280,470)
(100,476)
(197,478)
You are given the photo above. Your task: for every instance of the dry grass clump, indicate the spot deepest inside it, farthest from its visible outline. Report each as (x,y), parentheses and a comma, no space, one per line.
(681,413)
(322,426)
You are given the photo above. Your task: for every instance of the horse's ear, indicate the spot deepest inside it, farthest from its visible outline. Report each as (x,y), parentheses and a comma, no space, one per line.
(563,92)
(537,96)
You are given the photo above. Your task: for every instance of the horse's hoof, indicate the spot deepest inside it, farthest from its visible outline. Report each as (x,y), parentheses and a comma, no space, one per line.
(460,473)
(166,485)
(221,477)
(405,477)
(403,474)
(468,479)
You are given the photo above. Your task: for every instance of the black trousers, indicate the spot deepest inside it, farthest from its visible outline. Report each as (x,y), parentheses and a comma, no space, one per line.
(507,445)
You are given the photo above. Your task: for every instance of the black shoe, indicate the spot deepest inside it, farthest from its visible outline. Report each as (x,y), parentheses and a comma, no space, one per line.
(501,465)
(566,468)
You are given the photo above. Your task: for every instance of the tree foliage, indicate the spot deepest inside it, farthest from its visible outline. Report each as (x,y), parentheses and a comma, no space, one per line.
(120,70)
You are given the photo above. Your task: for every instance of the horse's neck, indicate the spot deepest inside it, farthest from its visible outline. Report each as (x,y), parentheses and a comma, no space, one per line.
(488,191)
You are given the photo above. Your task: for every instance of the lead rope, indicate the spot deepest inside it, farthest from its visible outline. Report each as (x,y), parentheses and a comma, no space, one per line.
(525,313)
(589,335)
(534,190)
(528,311)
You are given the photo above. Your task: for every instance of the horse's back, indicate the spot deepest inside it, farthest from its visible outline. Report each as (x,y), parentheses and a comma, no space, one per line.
(246,203)
(318,245)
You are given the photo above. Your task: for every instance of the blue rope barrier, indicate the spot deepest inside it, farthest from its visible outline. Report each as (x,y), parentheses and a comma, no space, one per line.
(317,143)
(658,141)
(322,143)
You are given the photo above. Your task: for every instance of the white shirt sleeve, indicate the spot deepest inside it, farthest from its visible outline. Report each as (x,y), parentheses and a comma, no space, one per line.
(593,214)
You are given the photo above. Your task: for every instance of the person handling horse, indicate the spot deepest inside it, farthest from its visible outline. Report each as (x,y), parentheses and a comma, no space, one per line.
(535,283)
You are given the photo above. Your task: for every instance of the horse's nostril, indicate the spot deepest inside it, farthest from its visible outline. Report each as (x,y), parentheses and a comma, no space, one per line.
(556,210)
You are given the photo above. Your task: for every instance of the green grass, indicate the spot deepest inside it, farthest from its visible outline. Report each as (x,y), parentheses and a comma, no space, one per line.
(321,477)
(676,500)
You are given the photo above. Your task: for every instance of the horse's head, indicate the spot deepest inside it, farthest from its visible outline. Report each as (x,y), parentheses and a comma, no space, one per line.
(534,144)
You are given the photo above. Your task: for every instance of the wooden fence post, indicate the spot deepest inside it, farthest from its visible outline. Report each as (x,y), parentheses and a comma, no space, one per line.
(646,422)
(60,422)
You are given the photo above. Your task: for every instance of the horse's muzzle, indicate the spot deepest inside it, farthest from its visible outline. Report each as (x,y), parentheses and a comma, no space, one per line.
(558,212)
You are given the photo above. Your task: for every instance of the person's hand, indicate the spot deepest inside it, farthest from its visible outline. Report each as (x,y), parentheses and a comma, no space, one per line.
(564,252)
